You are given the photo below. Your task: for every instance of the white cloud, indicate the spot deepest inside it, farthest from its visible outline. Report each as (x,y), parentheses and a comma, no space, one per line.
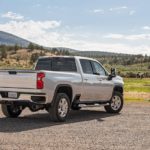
(31,30)
(106,46)
(101,11)
(115,10)
(128,37)
(113,47)
(146,28)
(138,37)
(40,32)
(44,33)
(114,36)
(65,40)
(12,15)
(118,8)
(132,12)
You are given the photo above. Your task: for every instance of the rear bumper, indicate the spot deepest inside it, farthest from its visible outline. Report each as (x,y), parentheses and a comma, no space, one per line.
(25,103)
(34,97)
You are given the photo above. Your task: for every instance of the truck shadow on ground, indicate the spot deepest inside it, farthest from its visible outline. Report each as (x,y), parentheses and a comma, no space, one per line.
(41,120)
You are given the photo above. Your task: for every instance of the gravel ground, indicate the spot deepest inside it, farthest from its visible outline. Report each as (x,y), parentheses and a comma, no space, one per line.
(90,128)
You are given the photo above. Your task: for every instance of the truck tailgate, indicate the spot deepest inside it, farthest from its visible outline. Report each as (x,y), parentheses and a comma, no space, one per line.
(18,79)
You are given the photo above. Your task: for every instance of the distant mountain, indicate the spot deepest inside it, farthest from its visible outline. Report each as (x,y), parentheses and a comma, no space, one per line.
(99,53)
(87,53)
(10,39)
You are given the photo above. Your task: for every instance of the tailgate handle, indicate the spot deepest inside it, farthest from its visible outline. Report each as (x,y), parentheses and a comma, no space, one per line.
(12,72)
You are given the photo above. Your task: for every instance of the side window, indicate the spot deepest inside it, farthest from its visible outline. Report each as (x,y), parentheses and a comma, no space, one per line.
(98,68)
(43,64)
(64,64)
(86,66)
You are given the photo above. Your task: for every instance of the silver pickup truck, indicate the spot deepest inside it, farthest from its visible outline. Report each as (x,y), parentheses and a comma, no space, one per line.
(58,84)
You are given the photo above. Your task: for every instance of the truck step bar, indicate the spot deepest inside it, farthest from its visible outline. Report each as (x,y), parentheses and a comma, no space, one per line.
(92,102)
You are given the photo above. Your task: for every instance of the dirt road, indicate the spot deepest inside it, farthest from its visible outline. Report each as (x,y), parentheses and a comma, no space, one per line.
(90,128)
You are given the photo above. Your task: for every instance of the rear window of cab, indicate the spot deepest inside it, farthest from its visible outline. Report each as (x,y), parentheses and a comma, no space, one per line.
(57,64)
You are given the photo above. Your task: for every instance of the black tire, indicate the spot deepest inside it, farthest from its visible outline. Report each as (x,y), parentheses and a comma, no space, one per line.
(111,108)
(11,111)
(54,110)
(75,107)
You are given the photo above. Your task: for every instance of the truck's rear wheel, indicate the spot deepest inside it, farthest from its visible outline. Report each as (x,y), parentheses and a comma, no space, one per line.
(116,103)
(60,108)
(11,110)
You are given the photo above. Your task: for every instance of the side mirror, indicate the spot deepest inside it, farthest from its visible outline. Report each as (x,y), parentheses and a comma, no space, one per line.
(112,74)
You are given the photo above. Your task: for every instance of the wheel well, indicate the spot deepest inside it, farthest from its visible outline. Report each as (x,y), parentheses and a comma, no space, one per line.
(65,89)
(118,89)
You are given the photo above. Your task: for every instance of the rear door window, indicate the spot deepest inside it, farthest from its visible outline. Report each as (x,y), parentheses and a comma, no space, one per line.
(64,64)
(86,66)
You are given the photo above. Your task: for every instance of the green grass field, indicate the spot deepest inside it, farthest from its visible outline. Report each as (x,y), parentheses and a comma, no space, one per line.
(137,85)
(137,89)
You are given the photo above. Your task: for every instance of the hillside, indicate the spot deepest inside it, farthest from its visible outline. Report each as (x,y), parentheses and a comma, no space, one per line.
(21,58)
(16,52)
(98,53)
(10,39)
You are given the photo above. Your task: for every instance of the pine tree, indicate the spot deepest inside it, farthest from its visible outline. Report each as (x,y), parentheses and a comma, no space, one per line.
(3,54)
(31,46)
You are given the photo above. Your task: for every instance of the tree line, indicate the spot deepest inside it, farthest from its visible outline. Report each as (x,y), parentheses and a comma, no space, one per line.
(5,50)
(114,59)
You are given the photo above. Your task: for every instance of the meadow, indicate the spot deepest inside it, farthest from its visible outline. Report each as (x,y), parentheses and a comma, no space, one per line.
(137,90)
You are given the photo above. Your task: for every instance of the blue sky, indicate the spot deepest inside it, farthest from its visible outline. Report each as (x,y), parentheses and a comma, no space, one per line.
(112,25)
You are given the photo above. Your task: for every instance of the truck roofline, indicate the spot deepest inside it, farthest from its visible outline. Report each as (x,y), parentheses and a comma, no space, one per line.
(76,57)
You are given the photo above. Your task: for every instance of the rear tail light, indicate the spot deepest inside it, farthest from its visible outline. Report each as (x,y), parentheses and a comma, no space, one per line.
(40,82)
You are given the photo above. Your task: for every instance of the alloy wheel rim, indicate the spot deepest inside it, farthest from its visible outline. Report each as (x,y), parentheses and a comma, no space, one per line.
(116,102)
(63,107)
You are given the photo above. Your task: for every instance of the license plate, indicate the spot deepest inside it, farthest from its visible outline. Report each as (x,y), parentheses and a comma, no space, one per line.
(12,95)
